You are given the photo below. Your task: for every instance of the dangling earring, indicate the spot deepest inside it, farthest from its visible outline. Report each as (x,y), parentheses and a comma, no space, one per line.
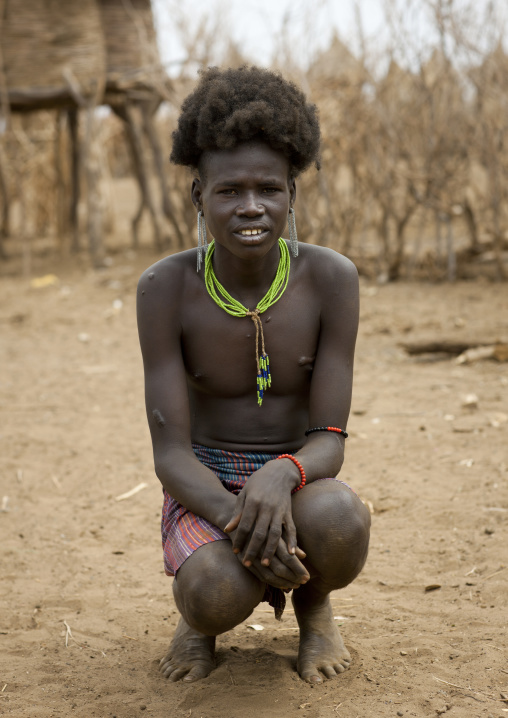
(293,237)
(202,241)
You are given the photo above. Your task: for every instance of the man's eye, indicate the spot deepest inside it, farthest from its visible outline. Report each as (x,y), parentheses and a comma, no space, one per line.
(270,190)
(228,191)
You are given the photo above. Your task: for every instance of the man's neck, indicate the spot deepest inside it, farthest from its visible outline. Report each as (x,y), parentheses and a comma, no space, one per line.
(245,279)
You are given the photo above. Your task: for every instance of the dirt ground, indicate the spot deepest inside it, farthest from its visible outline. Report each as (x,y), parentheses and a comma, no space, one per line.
(86,611)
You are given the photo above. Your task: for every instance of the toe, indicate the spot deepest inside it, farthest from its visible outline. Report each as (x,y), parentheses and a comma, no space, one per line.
(311,675)
(177,674)
(167,669)
(162,665)
(314,679)
(198,672)
(329,671)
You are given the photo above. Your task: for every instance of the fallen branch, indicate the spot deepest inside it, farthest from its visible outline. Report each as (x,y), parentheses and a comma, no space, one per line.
(442,346)
(499,352)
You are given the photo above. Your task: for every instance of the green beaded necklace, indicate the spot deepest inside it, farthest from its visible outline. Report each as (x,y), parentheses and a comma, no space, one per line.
(232,306)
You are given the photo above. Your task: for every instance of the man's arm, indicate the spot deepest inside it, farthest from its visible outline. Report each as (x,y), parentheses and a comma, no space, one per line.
(332,379)
(167,403)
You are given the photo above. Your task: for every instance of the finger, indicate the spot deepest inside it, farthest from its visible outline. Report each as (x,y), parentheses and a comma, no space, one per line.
(292,562)
(244,530)
(237,515)
(299,553)
(232,524)
(301,575)
(290,534)
(266,575)
(272,541)
(256,542)
(282,570)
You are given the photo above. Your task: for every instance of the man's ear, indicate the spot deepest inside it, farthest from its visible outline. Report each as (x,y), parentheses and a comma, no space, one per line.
(292,191)
(197,193)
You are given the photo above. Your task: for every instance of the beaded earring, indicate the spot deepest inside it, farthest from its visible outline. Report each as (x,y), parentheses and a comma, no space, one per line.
(202,240)
(293,237)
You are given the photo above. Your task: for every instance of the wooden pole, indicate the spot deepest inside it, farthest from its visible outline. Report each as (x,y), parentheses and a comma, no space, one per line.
(61,215)
(5,121)
(92,169)
(73,118)
(4,194)
(91,164)
(127,113)
(153,138)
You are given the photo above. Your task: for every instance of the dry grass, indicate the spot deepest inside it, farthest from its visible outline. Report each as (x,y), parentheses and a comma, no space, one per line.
(414,178)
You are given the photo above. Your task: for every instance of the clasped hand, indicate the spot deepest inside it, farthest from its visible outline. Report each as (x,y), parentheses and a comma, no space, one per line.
(262,529)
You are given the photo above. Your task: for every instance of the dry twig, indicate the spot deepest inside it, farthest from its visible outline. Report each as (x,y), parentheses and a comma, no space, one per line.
(132,492)
(68,635)
(465,688)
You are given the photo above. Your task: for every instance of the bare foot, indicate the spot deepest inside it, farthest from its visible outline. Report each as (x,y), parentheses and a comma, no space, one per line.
(321,645)
(190,655)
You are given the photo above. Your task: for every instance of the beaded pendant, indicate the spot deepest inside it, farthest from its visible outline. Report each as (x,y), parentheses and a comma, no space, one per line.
(264,376)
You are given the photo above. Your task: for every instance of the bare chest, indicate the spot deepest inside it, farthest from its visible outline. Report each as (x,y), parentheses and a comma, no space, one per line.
(219,350)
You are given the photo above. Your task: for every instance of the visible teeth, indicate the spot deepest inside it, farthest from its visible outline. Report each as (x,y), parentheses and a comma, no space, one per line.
(250,232)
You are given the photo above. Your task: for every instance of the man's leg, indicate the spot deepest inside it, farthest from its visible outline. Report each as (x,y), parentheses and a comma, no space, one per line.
(333,529)
(214,593)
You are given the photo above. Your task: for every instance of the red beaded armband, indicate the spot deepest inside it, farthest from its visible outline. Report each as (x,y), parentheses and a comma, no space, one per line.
(327,428)
(300,468)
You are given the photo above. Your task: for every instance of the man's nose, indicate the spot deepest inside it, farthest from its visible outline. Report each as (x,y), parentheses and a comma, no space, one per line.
(250,205)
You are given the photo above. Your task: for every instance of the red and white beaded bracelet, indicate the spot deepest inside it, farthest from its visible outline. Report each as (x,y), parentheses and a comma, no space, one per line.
(300,468)
(327,428)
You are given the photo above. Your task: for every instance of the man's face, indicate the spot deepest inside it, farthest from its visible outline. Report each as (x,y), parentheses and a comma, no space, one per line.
(245,194)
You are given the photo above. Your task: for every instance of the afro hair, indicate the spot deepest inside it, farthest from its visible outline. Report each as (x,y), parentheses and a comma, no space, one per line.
(232,106)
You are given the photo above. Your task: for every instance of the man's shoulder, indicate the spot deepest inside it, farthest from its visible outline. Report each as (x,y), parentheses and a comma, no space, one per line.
(326,265)
(169,274)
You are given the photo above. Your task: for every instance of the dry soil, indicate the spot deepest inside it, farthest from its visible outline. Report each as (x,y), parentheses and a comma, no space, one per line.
(86,611)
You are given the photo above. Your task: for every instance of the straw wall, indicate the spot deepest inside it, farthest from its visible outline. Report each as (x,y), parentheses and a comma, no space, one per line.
(131,46)
(39,39)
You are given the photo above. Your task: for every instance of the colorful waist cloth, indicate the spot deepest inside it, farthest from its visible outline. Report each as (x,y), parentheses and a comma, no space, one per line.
(183,531)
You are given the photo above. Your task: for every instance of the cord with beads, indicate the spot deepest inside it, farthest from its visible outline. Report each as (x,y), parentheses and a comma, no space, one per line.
(334,429)
(299,467)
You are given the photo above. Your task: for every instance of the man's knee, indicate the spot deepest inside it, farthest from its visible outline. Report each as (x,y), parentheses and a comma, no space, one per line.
(212,590)
(333,527)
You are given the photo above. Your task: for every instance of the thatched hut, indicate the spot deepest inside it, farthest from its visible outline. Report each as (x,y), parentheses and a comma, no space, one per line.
(132,59)
(136,84)
(73,56)
(44,46)
(52,55)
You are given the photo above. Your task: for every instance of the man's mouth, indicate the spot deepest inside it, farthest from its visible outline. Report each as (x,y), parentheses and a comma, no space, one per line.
(250,232)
